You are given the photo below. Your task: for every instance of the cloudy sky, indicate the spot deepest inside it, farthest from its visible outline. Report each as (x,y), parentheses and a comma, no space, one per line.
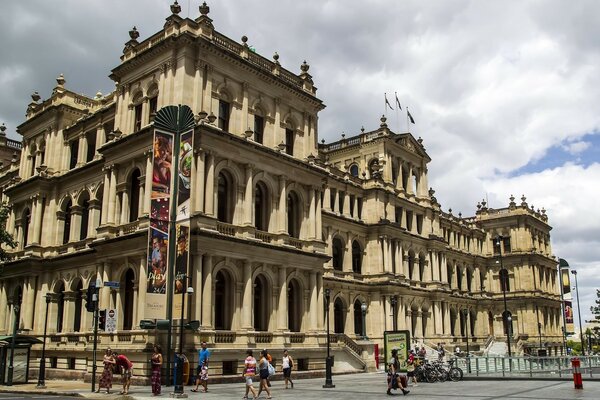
(506,95)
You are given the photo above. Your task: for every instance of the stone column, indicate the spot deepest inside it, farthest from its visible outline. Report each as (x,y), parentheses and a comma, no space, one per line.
(282,209)
(311,214)
(112,196)
(82,150)
(346,207)
(28,303)
(148,183)
(94,219)
(282,309)
(248,196)
(319,219)
(336,202)
(247,303)
(198,179)
(347,261)
(313,301)
(210,185)
(207,300)
(327,198)
(419,328)
(142,288)
(105,196)
(103,270)
(3,307)
(320,299)
(409,187)
(197,264)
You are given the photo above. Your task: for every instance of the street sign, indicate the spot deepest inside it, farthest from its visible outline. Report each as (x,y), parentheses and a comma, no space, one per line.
(112,284)
(111,320)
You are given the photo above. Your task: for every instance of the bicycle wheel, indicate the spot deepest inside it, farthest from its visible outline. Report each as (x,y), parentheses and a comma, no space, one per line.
(455,374)
(444,375)
(431,375)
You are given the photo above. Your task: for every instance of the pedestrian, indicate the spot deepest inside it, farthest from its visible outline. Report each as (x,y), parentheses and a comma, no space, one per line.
(156,362)
(203,356)
(126,370)
(270,359)
(457,351)
(394,380)
(249,373)
(263,369)
(411,366)
(287,363)
(441,352)
(423,352)
(107,372)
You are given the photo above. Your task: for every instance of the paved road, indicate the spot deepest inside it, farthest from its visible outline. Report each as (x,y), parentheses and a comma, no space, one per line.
(367,387)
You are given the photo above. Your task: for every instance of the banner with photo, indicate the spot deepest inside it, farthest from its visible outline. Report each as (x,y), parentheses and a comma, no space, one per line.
(158,237)
(570,324)
(565,280)
(182,260)
(396,340)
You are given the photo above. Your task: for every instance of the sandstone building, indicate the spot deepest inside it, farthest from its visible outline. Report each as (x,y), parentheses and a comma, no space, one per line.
(277,218)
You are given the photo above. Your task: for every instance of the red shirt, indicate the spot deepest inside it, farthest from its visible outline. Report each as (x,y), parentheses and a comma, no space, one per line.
(123,362)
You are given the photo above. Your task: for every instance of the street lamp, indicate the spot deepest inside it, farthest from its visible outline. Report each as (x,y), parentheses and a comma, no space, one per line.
(574,272)
(465,312)
(394,301)
(17,309)
(363,308)
(328,381)
(506,317)
(42,374)
(178,385)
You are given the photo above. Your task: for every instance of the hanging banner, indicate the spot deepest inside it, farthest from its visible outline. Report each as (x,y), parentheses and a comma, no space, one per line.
(566,284)
(570,325)
(158,237)
(182,260)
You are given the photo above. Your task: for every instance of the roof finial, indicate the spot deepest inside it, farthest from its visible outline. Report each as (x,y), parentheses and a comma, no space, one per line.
(304,67)
(204,9)
(3,129)
(134,34)
(175,8)
(35,96)
(60,80)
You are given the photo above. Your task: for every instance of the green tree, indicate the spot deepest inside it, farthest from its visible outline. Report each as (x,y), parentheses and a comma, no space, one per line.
(6,239)
(595,331)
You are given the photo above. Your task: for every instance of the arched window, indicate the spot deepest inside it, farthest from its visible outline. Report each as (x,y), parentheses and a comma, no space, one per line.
(469,280)
(90,138)
(223,301)
(421,267)
(60,305)
(137,112)
(25,226)
(289,141)
(224,110)
(127,299)
(507,322)
(259,128)
(261,207)
(74,147)
(337,254)
(293,214)
(261,304)
(133,187)
(78,304)
(453,322)
(68,210)
(294,306)
(356,257)
(354,170)
(411,265)
(358,319)
(449,272)
(339,316)
(459,276)
(85,217)
(224,197)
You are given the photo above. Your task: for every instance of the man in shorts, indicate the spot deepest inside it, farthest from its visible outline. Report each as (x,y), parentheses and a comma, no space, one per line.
(202,375)
(126,368)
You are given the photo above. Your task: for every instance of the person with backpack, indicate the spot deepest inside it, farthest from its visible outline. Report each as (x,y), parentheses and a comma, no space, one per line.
(263,369)
(394,380)
(286,365)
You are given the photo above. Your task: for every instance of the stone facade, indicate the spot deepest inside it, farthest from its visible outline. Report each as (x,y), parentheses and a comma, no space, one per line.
(277,218)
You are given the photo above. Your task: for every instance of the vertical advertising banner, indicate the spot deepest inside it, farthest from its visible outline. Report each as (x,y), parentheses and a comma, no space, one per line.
(565,281)
(158,237)
(396,340)
(182,259)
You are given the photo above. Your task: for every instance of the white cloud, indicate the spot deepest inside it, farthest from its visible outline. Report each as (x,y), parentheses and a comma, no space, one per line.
(491,87)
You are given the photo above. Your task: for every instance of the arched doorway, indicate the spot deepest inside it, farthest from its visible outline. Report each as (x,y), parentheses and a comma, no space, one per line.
(261,304)
(223,301)
(127,299)
(337,250)
(294,306)
(339,316)
(356,258)
(358,320)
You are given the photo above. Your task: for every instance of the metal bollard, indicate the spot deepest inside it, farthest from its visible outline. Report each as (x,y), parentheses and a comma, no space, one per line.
(576,364)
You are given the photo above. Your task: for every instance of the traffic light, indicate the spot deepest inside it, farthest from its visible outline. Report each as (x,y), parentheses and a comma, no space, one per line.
(102,320)
(89,297)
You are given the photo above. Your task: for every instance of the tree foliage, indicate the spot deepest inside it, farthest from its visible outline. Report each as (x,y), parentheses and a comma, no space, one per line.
(6,239)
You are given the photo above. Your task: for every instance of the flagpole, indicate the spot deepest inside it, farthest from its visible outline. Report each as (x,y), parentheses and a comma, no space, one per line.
(384,102)
(407,121)
(397,113)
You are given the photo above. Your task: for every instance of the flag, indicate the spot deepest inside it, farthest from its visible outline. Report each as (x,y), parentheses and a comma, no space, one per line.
(410,116)
(398,101)
(387,103)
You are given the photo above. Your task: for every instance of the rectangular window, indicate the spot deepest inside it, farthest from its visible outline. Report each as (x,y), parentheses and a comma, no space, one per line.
(91,146)
(138,118)
(360,207)
(332,199)
(259,128)
(496,245)
(409,220)
(289,141)
(398,214)
(224,115)
(506,243)
(229,368)
(341,200)
(153,103)
(352,197)
(419,224)
(74,146)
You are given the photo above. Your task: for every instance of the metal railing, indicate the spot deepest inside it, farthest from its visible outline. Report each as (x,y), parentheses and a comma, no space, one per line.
(529,366)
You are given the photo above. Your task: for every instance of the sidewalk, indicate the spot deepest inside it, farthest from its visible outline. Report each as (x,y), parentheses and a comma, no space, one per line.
(371,386)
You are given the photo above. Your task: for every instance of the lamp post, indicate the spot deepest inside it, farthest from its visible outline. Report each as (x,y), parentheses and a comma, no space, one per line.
(178,385)
(363,309)
(328,381)
(465,312)
(506,317)
(42,374)
(394,301)
(574,272)
(17,312)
